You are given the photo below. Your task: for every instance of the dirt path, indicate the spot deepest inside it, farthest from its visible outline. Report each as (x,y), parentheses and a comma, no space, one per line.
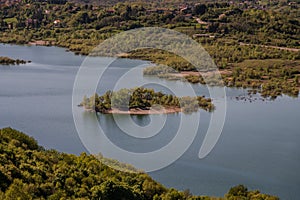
(191,73)
(274,47)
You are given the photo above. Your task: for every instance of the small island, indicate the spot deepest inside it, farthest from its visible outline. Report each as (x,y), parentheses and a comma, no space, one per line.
(10,61)
(142,101)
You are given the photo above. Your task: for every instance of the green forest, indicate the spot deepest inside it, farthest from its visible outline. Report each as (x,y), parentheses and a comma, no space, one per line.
(79,26)
(144,99)
(29,171)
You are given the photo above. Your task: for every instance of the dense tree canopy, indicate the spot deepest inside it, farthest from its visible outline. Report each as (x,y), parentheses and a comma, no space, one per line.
(28,171)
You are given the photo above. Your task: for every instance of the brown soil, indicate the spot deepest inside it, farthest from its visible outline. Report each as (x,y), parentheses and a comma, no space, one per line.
(39,43)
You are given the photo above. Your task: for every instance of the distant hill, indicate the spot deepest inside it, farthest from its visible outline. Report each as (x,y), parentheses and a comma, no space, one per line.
(161,2)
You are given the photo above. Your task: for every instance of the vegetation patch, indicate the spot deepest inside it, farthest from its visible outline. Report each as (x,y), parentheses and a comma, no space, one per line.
(271,78)
(10,61)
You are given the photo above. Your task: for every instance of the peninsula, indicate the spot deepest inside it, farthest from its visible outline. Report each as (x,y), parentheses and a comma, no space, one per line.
(269,77)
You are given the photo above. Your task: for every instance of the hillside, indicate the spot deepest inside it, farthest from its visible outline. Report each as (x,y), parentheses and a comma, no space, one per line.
(28,171)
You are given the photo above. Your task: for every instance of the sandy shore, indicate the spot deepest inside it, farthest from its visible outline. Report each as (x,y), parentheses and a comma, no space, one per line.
(137,111)
(146,112)
(39,43)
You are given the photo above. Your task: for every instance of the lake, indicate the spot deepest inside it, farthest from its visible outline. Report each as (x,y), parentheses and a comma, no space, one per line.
(258,147)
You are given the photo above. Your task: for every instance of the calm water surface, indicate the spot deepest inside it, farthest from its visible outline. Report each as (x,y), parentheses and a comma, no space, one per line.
(259,145)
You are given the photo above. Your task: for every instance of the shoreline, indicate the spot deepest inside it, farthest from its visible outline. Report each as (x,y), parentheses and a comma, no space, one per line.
(138,111)
(184,74)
